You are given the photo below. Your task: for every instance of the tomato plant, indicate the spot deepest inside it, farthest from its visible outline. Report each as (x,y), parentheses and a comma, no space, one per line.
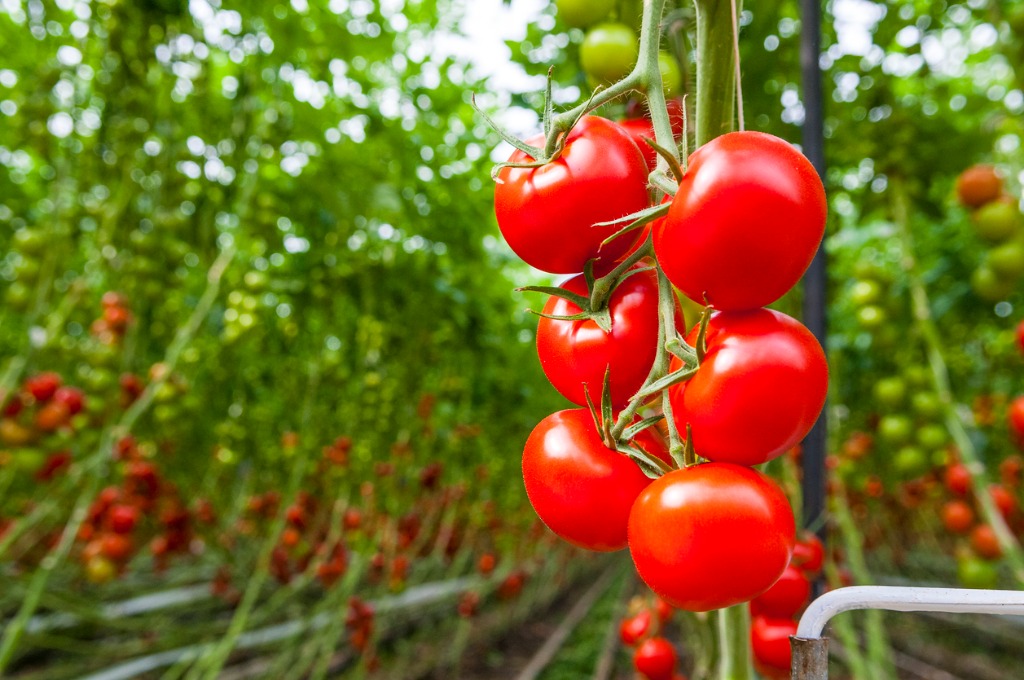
(746,221)
(758,391)
(728,528)
(547,214)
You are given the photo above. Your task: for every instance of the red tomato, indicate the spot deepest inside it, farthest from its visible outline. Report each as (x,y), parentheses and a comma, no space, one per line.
(72,397)
(985,543)
(580,488)
(809,554)
(123,518)
(745,223)
(786,597)
(978,185)
(957,517)
(52,415)
(663,608)
(547,214)
(576,352)
(769,639)
(1004,500)
(759,390)
(728,528)
(43,385)
(957,479)
(641,126)
(1015,416)
(633,629)
(655,659)
(1020,336)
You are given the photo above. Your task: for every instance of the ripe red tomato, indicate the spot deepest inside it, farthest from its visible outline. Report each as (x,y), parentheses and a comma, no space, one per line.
(786,597)
(985,543)
(957,517)
(769,639)
(43,385)
(547,214)
(576,352)
(728,528)
(1020,336)
(1015,417)
(1004,500)
(52,415)
(745,223)
(978,185)
(580,488)
(72,397)
(641,126)
(809,554)
(655,659)
(957,479)
(634,628)
(123,518)
(663,608)
(758,391)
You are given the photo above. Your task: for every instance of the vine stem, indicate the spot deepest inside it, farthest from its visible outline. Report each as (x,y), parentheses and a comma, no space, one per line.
(716,80)
(958,429)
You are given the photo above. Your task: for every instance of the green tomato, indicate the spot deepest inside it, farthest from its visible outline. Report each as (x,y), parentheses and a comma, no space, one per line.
(29,241)
(917,375)
(890,391)
(609,52)
(911,461)
(27,270)
(18,295)
(871,316)
(932,436)
(895,429)
(926,404)
(988,286)
(997,220)
(582,13)
(974,572)
(865,292)
(1007,260)
(671,76)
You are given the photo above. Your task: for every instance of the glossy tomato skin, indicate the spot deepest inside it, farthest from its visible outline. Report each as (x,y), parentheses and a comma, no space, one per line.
(785,597)
(758,391)
(576,352)
(745,223)
(641,126)
(769,639)
(547,214)
(635,628)
(809,554)
(711,535)
(581,489)
(655,658)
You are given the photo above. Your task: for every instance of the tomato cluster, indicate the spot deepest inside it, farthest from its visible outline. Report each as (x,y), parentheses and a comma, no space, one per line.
(654,657)
(746,384)
(997,220)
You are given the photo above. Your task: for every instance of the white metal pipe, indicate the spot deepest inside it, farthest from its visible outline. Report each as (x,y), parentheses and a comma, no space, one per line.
(906,599)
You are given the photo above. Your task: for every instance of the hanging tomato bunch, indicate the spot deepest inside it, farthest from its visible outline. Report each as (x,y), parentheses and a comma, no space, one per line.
(997,220)
(733,227)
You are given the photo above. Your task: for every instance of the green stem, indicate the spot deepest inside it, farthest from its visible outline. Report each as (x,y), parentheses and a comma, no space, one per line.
(735,660)
(716,81)
(940,378)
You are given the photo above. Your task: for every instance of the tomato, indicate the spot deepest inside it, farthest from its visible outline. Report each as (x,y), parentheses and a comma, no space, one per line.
(1010,470)
(985,543)
(663,608)
(42,386)
(582,13)
(1004,500)
(808,554)
(1015,417)
(1007,259)
(758,391)
(957,517)
(711,535)
(997,221)
(745,223)
(926,404)
(890,391)
(638,129)
(655,659)
(634,628)
(99,569)
(871,316)
(581,489)
(547,214)
(978,185)
(958,479)
(609,51)
(671,75)
(71,397)
(975,573)
(932,436)
(989,286)
(123,518)
(858,445)
(769,639)
(895,429)
(865,292)
(576,352)
(786,597)
(52,415)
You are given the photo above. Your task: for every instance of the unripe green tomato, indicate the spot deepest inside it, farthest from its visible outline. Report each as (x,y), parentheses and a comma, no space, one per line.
(165,413)
(29,241)
(940,458)
(932,436)
(609,52)
(988,286)
(974,572)
(582,13)
(865,292)
(910,461)
(997,220)
(256,281)
(917,375)
(28,459)
(18,295)
(1007,260)
(895,429)
(926,404)
(868,270)
(871,316)
(671,76)
(890,391)
(27,270)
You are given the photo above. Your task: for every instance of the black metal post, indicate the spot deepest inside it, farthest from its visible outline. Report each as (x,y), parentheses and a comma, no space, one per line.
(815,280)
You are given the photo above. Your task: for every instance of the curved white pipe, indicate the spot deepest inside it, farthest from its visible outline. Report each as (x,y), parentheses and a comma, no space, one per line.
(906,599)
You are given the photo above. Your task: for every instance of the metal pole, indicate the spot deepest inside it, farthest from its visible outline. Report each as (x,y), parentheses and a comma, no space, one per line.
(814,311)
